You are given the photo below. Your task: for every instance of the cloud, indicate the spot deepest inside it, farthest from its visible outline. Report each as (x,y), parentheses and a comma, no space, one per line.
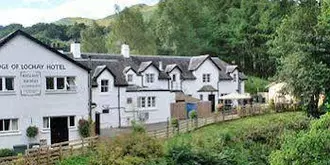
(94,9)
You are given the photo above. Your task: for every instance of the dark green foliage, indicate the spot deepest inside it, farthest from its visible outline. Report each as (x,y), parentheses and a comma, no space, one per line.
(6,153)
(138,127)
(255,84)
(193,114)
(93,39)
(81,160)
(84,128)
(174,122)
(311,147)
(32,131)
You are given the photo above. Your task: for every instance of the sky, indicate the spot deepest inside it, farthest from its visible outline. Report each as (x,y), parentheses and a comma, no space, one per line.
(29,12)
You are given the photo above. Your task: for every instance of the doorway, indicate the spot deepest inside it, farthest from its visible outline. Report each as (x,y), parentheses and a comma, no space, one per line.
(97,124)
(59,131)
(212,99)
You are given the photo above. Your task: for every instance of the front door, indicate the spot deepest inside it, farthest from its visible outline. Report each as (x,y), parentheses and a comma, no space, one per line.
(97,124)
(212,99)
(59,129)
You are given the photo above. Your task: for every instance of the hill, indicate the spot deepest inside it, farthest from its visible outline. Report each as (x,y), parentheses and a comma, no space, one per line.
(146,10)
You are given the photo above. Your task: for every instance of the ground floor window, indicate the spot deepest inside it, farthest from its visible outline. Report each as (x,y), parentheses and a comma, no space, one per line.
(6,84)
(71,122)
(144,116)
(147,102)
(8,125)
(61,83)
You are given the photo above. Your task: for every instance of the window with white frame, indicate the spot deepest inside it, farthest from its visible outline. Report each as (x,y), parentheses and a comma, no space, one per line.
(61,83)
(104,86)
(147,102)
(8,125)
(200,97)
(129,78)
(46,123)
(6,84)
(72,121)
(206,78)
(150,78)
(234,77)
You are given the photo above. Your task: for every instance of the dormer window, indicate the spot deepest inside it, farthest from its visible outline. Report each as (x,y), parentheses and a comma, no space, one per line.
(104,86)
(206,78)
(129,78)
(150,78)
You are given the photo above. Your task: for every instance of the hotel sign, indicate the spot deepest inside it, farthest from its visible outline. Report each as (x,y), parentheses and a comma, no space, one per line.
(30,82)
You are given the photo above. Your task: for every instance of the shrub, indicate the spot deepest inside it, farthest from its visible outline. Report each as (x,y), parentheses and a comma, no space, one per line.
(193,114)
(175,122)
(129,149)
(310,147)
(32,131)
(138,127)
(84,128)
(6,152)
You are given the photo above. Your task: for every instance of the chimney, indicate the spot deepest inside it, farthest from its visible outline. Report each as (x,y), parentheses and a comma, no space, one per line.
(160,65)
(75,50)
(125,50)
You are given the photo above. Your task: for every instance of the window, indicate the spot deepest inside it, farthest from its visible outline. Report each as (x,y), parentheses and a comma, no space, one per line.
(71,83)
(143,116)
(144,102)
(8,125)
(206,77)
(105,111)
(129,100)
(200,97)
(46,122)
(129,78)
(6,83)
(72,121)
(50,83)
(61,83)
(234,77)
(174,77)
(150,78)
(104,85)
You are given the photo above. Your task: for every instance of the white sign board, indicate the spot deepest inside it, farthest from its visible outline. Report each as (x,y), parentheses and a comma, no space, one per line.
(30,82)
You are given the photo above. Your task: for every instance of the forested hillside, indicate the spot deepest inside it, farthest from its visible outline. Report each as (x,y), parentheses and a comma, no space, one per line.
(243,32)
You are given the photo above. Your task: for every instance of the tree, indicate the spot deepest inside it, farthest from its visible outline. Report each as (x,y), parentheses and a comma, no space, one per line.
(74,31)
(93,40)
(129,27)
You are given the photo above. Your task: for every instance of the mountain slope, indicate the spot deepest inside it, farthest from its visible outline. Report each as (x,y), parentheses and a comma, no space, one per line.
(146,10)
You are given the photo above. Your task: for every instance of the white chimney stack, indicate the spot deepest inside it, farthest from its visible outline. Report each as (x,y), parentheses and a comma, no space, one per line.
(75,50)
(125,50)
(161,65)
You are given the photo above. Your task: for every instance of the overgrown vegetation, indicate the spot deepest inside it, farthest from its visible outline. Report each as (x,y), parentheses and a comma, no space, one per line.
(84,128)
(255,84)
(6,152)
(245,141)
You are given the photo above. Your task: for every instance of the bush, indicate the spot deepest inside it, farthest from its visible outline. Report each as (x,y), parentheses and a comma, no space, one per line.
(193,114)
(138,127)
(84,128)
(175,122)
(129,149)
(310,147)
(32,131)
(6,152)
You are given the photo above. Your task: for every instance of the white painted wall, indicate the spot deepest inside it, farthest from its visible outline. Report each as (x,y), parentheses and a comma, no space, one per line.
(192,86)
(175,85)
(157,84)
(137,80)
(30,110)
(158,114)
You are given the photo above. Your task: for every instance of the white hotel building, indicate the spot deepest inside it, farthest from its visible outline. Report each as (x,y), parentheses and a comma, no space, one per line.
(42,87)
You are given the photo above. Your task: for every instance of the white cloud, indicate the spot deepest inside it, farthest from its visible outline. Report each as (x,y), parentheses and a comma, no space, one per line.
(70,8)
(34,1)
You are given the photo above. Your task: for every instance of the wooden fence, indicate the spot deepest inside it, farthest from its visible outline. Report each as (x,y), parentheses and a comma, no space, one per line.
(179,111)
(51,154)
(190,125)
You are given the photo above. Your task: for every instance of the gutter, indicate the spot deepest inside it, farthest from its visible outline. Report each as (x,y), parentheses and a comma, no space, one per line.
(119,114)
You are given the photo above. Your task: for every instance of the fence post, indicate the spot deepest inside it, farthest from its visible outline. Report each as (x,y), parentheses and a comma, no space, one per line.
(82,148)
(188,125)
(38,156)
(61,154)
(48,155)
(167,128)
(71,150)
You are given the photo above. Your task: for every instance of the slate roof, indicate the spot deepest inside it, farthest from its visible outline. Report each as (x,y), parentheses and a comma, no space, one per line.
(207,88)
(138,63)
(9,37)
